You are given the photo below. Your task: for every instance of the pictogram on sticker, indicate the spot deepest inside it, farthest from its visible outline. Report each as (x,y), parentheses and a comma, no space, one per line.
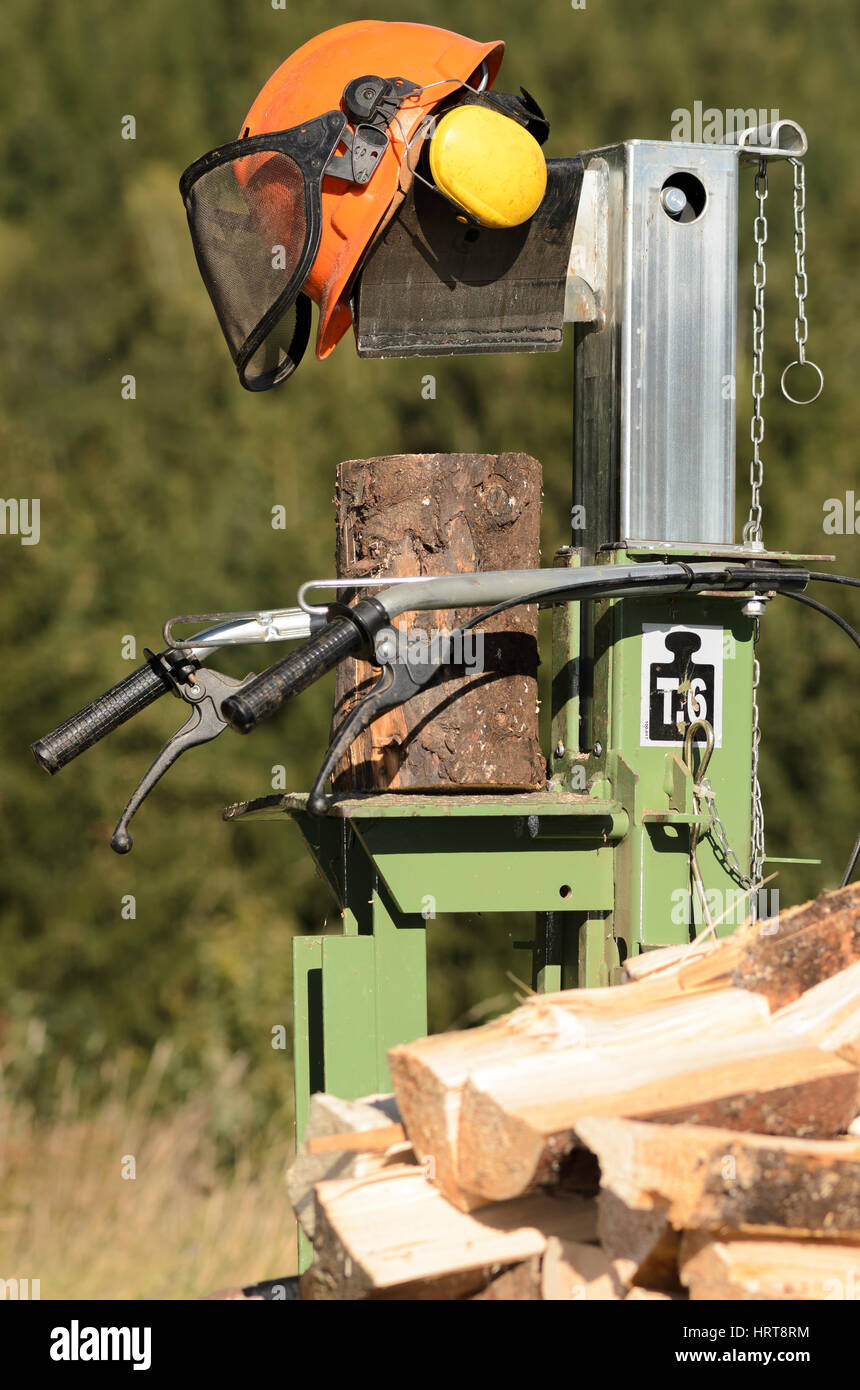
(682,680)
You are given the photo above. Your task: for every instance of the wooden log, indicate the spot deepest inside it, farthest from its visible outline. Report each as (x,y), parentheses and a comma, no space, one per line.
(430,1076)
(819,1109)
(330,1116)
(520,1284)
(516,1123)
(769,1270)
(377,1141)
(394,1235)
(638,1240)
(637,1295)
(701,974)
(829,1013)
(803,946)
(418,514)
(574,1272)
(695,1177)
(428,1081)
(780,958)
(705,960)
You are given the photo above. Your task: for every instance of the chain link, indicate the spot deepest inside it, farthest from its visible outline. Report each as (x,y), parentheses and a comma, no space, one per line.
(757,847)
(801,329)
(752,532)
(719,839)
(716,832)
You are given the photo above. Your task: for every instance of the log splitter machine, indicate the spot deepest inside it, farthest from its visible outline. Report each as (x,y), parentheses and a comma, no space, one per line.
(652,794)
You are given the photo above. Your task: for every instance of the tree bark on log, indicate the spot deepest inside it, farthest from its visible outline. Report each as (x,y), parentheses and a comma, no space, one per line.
(428,514)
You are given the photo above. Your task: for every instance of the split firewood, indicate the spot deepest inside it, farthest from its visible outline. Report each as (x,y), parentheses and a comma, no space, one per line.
(780,958)
(517,1122)
(829,1013)
(369,1141)
(699,1178)
(520,1284)
(330,1116)
(769,1270)
(638,1241)
(712,960)
(819,1109)
(685,1122)
(803,946)
(572,1048)
(573,1271)
(637,1295)
(393,1235)
(696,971)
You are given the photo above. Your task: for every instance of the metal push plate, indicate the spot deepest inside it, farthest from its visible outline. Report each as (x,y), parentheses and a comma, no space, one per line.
(435,286)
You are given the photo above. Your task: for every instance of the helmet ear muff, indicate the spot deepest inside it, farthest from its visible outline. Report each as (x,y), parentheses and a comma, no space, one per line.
(485,160)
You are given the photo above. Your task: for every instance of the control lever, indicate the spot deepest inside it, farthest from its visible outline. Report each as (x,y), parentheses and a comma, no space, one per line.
(205,692)
(399,682)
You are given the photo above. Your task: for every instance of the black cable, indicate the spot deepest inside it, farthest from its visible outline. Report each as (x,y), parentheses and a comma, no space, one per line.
(568,587)
(828,613)
(837,579)
(788,593)
(855,638)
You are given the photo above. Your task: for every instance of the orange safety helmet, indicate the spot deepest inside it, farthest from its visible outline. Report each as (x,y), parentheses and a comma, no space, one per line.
(273,222)
(314,79)
(287,213)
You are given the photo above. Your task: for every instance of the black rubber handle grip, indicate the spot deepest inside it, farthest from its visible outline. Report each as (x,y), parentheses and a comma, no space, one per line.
(264,696)
(128,697)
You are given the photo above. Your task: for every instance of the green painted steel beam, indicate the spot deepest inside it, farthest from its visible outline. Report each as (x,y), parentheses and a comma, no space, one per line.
(533,876)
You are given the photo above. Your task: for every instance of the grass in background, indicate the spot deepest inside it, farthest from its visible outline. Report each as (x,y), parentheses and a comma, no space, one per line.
(186,1225)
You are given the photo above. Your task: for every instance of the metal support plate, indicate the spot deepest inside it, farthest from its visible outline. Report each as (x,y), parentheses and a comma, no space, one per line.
(434,285)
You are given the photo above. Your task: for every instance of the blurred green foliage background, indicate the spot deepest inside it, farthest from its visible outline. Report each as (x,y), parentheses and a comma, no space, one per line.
(163,504)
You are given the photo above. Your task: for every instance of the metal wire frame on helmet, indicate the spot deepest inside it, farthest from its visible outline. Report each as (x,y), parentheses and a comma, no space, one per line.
(524,110)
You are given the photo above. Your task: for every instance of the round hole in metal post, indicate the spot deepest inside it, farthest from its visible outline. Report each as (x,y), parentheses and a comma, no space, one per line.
(683,197)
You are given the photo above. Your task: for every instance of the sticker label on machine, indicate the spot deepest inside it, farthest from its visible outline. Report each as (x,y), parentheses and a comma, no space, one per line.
(682,680)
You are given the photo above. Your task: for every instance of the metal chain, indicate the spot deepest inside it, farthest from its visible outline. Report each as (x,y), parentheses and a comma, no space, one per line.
(716,831)
(719,839)
(757,846)
(801,327)
(752,532)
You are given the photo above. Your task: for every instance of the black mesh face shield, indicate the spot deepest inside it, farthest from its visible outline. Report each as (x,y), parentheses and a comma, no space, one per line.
(255,213)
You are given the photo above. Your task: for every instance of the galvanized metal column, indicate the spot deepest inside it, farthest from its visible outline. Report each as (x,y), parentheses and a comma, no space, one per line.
(654,397)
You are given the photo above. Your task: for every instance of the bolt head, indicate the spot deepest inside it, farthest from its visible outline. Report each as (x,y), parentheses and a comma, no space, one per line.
(754,608)
(674,201)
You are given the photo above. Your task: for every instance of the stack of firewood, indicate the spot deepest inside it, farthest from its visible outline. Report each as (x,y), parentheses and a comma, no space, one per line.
(688,1134)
